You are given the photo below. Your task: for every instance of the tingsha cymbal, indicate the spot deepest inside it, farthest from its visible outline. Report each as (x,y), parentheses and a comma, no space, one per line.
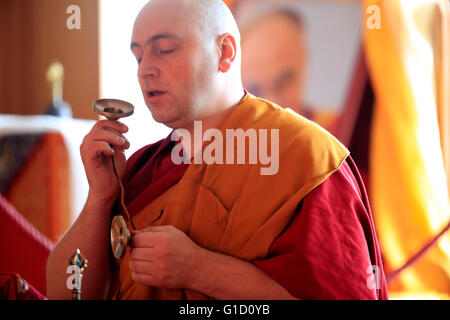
(113,109)
(120,237)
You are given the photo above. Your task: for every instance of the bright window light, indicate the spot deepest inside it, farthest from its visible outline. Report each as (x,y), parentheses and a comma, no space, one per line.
(119,70)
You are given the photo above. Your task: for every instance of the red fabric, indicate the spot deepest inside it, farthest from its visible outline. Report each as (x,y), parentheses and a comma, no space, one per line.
(149,173)
(40,190)
(23,249)
(13,287)
(326,250)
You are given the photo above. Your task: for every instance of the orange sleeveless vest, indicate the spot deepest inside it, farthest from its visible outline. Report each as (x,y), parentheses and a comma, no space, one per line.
(233,209)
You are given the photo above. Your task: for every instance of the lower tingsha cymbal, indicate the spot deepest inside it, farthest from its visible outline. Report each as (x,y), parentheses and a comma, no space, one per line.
(120,237)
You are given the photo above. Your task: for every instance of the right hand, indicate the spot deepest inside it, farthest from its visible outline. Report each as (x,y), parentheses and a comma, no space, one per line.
(96,155)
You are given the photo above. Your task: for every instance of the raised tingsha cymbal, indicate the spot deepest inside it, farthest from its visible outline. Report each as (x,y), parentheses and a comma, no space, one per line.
(113,109)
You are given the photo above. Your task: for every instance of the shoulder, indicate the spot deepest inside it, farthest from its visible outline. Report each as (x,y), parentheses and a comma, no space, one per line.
(299,138)
(294,127)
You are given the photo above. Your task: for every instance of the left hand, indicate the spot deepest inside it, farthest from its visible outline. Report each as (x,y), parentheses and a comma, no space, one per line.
(163,257)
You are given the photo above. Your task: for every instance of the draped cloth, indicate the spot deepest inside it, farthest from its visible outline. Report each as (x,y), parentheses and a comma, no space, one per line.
(309,227)
(408,61)
(13,287)
(330,249)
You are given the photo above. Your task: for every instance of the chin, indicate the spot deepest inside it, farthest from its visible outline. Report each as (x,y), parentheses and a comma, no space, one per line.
(168,115)
(165,119)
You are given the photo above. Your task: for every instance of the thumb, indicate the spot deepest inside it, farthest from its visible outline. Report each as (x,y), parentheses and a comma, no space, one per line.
(149,229)
(157,229)
(135,232)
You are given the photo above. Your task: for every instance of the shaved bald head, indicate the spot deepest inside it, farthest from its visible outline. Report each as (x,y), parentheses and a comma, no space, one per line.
(213,17)
(217,18)
(189,59)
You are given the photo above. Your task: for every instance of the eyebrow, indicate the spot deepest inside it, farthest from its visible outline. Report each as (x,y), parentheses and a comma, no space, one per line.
(156,37)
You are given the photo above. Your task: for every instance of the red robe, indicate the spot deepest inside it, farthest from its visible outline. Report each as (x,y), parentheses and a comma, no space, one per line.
(326,250)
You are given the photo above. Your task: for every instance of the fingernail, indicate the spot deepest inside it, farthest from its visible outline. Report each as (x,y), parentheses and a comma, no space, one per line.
(121,140)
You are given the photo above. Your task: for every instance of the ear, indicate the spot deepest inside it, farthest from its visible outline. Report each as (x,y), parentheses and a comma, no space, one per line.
(228,51)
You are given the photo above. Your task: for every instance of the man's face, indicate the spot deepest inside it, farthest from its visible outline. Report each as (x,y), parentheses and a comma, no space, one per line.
(273,62)
(176,67)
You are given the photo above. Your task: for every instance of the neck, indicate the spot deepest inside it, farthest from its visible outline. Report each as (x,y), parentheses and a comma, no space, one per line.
(215,118)
(225,106)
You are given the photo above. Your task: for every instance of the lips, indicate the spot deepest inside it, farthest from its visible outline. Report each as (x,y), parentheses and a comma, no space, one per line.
(155,94)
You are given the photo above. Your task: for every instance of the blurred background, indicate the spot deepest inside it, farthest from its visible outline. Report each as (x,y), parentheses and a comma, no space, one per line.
(375,73)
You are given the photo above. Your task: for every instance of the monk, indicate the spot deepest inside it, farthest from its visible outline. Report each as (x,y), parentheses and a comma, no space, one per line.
(277,72)
(218,229)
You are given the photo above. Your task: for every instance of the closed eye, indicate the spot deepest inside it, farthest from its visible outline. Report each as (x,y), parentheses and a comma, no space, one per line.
(166,51)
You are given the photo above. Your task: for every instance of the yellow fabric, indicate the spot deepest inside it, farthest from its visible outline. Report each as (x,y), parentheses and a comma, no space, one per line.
(232,208)
(409,191)
(443,75)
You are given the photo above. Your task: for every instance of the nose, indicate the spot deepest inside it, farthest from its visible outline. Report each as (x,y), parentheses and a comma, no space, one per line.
(147,69)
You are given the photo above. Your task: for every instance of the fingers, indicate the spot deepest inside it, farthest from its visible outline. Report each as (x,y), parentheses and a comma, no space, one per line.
(143,278)
(117,126)
(152,236)
(97,147)
(123,147)
(100,134)
(142,254)
(144,240)
(138,266)
(141,271)
(108,133)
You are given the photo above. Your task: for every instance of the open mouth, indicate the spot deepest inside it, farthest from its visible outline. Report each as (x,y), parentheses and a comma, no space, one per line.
(155,93)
